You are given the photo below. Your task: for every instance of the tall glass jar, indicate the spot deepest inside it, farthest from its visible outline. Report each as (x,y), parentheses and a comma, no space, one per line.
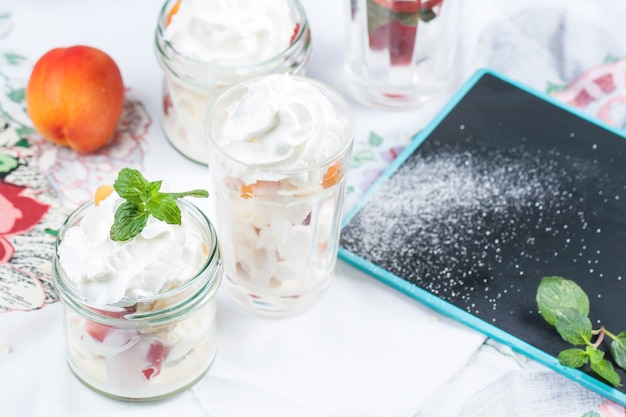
(191,85)
(401,53)
(143,349)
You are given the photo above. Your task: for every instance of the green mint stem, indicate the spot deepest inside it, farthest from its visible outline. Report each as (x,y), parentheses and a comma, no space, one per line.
(144,199)
(600,337)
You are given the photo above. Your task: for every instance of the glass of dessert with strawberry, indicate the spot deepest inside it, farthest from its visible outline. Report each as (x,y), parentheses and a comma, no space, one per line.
(280,149)
(137,270)
(401,53)
(206,46)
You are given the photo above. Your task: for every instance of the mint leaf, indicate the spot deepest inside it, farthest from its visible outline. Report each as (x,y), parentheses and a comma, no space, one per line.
(131,185)
(557,294)
(129,221)
(565,305)
(595,355)
(574,327)
(574,358)
(164,208)
(605,369)
(618,350)
(153,188)
(144,199)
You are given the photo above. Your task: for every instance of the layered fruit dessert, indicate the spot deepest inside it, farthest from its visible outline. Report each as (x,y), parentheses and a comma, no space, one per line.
(205,46)
(137,271)
(280,148)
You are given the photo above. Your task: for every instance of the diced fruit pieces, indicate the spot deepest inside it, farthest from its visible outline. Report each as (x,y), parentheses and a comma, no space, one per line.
(259,188)
(402,43)
(102,192)
(295,33)
(171,14)
(333,175)
(156,356)
(97,331)
(247,191)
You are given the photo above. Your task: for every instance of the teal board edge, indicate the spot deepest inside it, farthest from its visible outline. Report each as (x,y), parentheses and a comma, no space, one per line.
(444,307)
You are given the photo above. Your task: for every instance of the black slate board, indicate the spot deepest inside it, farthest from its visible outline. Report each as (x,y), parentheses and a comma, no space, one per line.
(504,187)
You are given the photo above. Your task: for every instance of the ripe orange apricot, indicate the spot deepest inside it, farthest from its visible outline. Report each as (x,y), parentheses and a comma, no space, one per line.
(75,97)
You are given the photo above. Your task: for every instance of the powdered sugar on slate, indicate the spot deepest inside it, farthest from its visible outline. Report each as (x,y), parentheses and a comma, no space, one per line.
(447,219)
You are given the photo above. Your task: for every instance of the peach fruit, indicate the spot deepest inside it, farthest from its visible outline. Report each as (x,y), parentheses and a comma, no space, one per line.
(75,97)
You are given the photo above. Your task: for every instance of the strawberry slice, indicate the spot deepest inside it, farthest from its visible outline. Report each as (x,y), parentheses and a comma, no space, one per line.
(402,43)
(97,331)
(156,355)
(379,38)
(295,33)
(167,104)
(402,6)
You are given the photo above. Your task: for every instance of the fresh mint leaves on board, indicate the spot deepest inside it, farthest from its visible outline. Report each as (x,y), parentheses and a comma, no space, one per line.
(564,305)
(144,199)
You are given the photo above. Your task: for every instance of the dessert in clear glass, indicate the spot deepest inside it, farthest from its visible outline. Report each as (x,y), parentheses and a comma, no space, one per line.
(401,53)
(280,149)
(139,314)
(206,46)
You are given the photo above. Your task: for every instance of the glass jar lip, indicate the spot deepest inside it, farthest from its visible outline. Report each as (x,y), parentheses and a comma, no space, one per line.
(339,101)
(162,44)
(213,259)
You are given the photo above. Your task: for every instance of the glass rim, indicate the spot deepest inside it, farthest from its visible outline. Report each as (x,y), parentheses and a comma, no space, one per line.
(68,293)
(330,92)
(162,43)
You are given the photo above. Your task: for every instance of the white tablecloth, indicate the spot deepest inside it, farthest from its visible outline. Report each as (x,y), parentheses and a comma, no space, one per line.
(366,350)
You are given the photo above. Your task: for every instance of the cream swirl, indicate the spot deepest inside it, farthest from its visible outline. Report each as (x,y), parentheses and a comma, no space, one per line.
(282,122)
(104,271)
(231,32)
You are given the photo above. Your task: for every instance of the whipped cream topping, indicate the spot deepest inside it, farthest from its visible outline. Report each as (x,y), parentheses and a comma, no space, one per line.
(104,271)
(231,32)
(283,123)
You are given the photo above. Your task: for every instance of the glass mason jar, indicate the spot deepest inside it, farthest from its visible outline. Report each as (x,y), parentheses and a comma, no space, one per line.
(143,349)
(401,53)
(190,85)
(279,227)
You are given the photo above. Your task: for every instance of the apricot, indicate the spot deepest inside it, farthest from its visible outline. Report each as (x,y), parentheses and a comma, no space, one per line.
(75,97)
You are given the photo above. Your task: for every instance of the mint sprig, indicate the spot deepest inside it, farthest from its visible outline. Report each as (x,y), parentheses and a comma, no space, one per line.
(144,199)
(563,304)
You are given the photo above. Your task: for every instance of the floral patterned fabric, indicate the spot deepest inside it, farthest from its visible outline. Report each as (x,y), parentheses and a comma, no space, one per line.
(41,182)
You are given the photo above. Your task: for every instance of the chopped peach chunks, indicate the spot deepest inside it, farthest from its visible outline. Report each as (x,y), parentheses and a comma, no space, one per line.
(102,192)
(333,175)
(172,12)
